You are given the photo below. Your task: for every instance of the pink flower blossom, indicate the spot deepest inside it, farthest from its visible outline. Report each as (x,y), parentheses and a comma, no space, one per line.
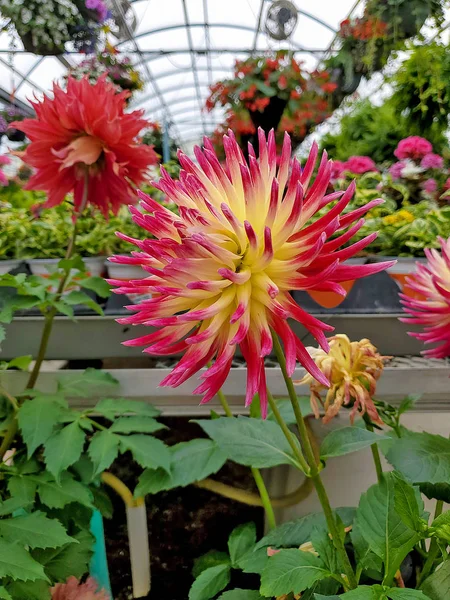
(396,169)
(221,272)
(360,165)
(4,160)
(432,161)
(337,168)
(414,147)
(431,281)
(430,185)
(447,184)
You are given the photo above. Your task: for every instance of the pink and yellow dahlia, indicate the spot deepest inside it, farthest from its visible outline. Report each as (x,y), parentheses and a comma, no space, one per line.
(431,307)
(221,272)
(83,132)
(352,369)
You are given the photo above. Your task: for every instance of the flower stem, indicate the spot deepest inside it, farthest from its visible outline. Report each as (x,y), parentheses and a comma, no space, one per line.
(120,488)
(433,551)
(375,451)
(314,468)
(264,494)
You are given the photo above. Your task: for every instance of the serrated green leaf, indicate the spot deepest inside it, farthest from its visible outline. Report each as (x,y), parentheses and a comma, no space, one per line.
(210,582)
(137,424)
(346,440)
(4,594)
(254,561)
(58,495)
(63,448)
(36,590)
(241,541)
(97,285)
(112,407)
(70,560)
(86,383)
(250,442)
(81,298)
(103,450)
(291,571)
(64,309)
(437,585)
(17,563)
(287,412)
(21,486)
(10,506)
(297,532)
(415,457)
(239,594)
(190,461)
(147,451)
(365,592)
(37,419)
(382,527)
(34,530)
(406,594)
(408,403)
(213,558)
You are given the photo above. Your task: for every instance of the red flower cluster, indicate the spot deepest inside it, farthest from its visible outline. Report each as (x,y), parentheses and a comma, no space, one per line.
(414,147)
(364,28)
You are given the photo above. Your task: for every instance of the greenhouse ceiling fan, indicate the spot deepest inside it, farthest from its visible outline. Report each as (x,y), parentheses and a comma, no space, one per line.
(281,19)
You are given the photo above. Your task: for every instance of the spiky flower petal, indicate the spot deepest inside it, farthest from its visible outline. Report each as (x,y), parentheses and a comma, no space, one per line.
(353,369)
(431,306)
(221,272)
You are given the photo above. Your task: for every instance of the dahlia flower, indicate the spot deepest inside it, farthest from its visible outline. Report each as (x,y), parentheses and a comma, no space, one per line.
(83,132)
(222,270)
(360,165)
(74,590)
(430,185)
(337,169)
(432,161)
(414,147)
(431,281)
(4,160)
(352,369)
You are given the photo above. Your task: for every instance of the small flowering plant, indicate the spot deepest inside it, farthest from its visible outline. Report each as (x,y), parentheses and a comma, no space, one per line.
(119,70)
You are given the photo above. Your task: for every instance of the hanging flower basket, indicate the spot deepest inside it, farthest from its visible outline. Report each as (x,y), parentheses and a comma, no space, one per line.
(270,117)
(14,135)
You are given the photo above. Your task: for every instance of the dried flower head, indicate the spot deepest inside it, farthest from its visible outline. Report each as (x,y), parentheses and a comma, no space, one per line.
(74,590)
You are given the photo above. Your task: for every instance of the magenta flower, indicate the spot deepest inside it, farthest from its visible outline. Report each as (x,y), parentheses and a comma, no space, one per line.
(432,161)
(430,185)
(337,168)
(360,165)
(4,160)
(431,307)
(396,169)
(414,147)
(221,272)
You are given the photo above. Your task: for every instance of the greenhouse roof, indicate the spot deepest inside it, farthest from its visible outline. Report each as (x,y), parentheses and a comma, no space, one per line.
(181,47)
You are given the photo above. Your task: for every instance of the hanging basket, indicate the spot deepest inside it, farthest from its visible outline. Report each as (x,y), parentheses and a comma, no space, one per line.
(15,135)
(408,17)
(40,49)
(270,117)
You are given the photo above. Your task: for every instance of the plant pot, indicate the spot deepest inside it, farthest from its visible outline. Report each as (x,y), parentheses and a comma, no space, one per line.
(402,270)
(14,135)
(127,273)
(95,265)
(331,299)
(40,49)
(6,266)
(270,117)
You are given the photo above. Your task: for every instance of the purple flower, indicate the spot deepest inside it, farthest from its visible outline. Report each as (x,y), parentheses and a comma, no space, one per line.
(430,186)
(432,161)
(396,169)
(3,125)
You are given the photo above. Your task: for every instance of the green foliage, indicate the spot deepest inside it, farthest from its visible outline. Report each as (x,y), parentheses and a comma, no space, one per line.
(437,585)
(346,440)
(210,582)
(241,541)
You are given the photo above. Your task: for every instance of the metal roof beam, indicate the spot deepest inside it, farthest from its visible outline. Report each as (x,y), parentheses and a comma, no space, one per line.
(207,40)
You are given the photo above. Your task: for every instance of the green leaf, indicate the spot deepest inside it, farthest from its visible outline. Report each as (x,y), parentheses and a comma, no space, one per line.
(87,383)
(4,594)
(97,285)
(21,486)
(291,571)
(254,561)
(382,527)
(69,560)
(210,582)
(75,262)
(365,592)
(37,420)
(137,424)
(10,505)
(64,309)
(287,412)
(366,560)
(241,541)
(295,533)
(147,451)
(406,594)
(416,457)
(213,558)
(346,440)
(2,334)
(407,501)
(190,461)
(437,585)
(58,495)
(63,448)
(20,362)
(250,442)
(102,502)
(265,89)
(441,526)
(408,403)
(438,491)
(17,563)
(34,530)
(103,450)
(112,407)
(76,298)
(239,594)
(36,590)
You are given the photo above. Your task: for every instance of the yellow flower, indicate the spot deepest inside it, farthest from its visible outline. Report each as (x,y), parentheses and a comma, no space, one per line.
(398,217)
(352,369)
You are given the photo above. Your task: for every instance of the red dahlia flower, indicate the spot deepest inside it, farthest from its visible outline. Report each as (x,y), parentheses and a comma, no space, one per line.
(222,271)
(83,132)
(414,147)
(360,165)
(432,282)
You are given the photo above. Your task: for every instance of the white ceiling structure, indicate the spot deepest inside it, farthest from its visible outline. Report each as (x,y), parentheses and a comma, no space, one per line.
(181,47)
